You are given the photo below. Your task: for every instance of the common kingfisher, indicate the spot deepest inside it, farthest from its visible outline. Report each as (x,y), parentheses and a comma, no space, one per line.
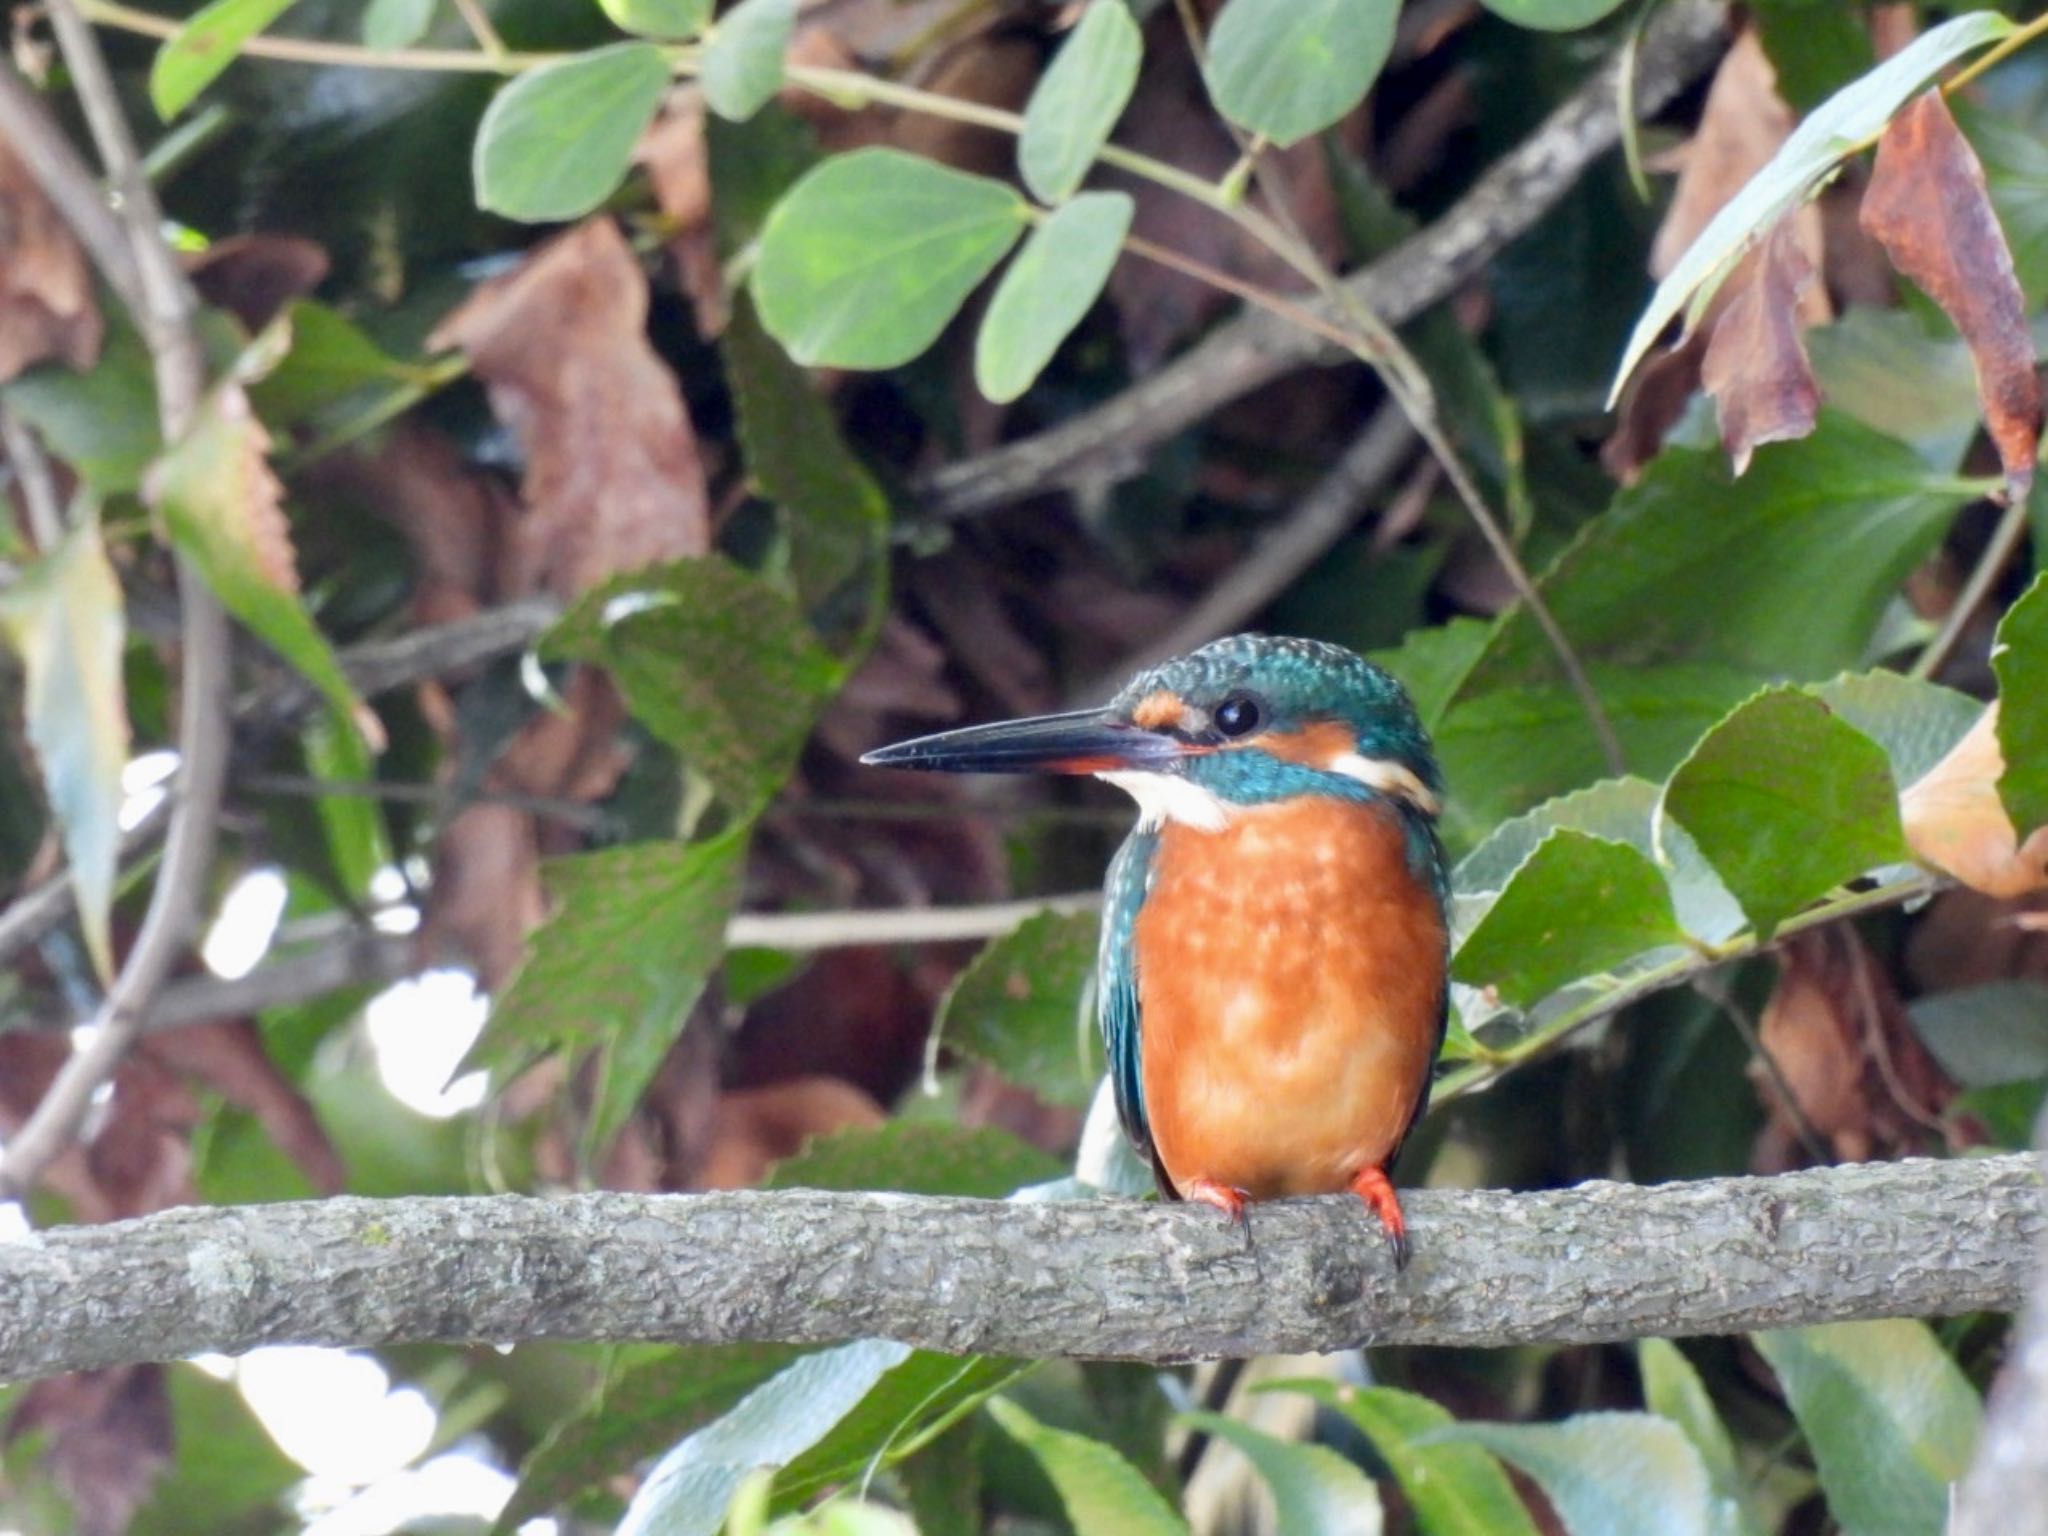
(1272,975)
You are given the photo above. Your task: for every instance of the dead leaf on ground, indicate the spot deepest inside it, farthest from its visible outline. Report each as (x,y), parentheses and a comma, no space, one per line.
(47,308)
(109,1437)
(1837,1035)
(253,277)
(1927,204)
(1955,820)
(614,477)
(1756,366)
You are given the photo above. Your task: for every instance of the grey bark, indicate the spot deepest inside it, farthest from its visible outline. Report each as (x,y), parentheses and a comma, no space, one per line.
(1113,440)
(1073,1278)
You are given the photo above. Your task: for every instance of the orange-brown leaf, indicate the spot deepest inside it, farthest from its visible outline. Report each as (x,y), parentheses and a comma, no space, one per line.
(614,480)
(46,300)
(1928,206)
(1756,366)
(1955,820)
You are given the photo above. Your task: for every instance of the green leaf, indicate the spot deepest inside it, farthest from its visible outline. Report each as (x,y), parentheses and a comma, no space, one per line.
(1316,1492)
(1578,907)
(912,1403)
(742,66)
(1433,663)
(1104,1495)
(1987,1035)
(1454,1490)
(1843,123)
(1672,1388)
(1787,802)
(1815,47)
(1552,15)
(389,25)
(1888,370)
(1078,100)
(352,823)
(838,518)
(641,1412)
(712,660)
(918,1157)
(1606,1474)
(329,361)
(2019,656)
(869,256)
(1051,285)
(103,422)
(557,141)
(635,934)
(687,1492)
(1686,562)
(1018,1007)
(64,618)
(194,55)
(671,20)
(1915,722)
(220,504)
(1889,1417)
(1290,68)
(942,1482)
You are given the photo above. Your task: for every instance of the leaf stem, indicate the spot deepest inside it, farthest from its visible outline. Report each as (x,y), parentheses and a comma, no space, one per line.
(478,20)
(1996,55)
(306,50)
(1675,972)
(2005,538)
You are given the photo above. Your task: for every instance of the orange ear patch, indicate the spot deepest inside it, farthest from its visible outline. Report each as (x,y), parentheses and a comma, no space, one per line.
(1314,746)
(1160,711)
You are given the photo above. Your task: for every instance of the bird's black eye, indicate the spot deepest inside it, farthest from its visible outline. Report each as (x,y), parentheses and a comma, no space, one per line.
(1238,715)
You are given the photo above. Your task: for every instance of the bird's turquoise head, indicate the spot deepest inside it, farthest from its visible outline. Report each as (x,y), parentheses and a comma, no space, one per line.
(1249,720)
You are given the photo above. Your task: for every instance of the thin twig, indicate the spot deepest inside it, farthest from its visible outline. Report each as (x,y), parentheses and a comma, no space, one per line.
(305,50)
(1331,507)
(478,20)
(2005,538)
(69,183)
(1710,987)
(38,482)
(165,319)
(570,813)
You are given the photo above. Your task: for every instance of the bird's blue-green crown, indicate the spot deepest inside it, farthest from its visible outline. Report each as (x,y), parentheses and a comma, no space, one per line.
(1290,685)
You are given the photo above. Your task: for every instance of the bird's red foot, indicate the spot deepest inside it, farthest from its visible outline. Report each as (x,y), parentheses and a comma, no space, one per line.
(1227,1199)
(1371,1186)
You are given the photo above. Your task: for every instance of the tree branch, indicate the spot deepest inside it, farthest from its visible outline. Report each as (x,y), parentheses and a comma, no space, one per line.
(1055,1278)
(1256,348)
(164,311)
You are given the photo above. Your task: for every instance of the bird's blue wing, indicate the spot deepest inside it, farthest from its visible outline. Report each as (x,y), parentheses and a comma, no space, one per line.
(1130,874)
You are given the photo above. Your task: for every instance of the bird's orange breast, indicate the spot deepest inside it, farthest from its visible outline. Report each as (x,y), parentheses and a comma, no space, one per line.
(1290,972)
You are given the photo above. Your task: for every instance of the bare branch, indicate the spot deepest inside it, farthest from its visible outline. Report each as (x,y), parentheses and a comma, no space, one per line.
(164,311)
(1057,1278)
(1256,348)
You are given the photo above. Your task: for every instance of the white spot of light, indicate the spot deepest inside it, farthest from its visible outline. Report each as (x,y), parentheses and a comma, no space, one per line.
(248,920)
(142,785)
(334,1413)
(420,1030)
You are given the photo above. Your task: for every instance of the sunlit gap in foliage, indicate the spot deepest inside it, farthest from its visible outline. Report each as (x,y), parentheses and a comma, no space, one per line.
(142,785)
(391,889)
(420,1029)
(249,915)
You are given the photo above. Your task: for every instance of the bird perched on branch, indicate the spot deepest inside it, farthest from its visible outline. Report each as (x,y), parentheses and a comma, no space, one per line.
(1272,977)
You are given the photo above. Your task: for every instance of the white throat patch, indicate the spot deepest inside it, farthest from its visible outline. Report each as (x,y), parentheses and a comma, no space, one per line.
(1389,778)
(1164,797)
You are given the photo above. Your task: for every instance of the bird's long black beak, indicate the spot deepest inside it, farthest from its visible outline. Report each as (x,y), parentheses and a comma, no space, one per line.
(1087,741)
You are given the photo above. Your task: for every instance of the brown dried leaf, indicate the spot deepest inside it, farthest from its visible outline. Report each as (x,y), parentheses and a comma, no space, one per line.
(614,479)
(759,1127)
(109,1436)
(1955,820)
(679,169)
(487,894)
(1928,206)
(47,307)
(1756,366)
(1837,1036)
(255,276)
